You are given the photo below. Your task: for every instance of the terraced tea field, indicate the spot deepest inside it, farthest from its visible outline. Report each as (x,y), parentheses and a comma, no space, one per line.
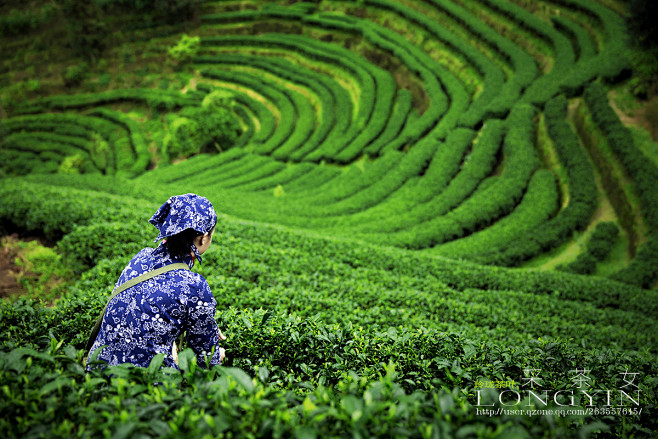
(425,204)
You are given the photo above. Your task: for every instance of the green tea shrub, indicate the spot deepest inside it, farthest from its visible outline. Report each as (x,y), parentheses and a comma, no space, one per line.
(324,379)
(213,126)
(217,119)
(186,49)
(75,74)
(602,240)
(582,195)
(156,100)
(58,214)
(71,164)
(85,246)
(183,138)
(643,269)
(100,151)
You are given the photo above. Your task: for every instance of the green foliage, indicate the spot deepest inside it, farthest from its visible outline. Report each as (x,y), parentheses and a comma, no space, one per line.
(183,138)
(41,273)
(352,130)
(19,23)
(100,151)
(601,242)
(643,269)
(226,400)
(343,325)
(71,164)
(213,126)
(86,29)
(186,49)
(75,74)
(157,100)
(85,246)
(324,379)
(598,247)
(644,83)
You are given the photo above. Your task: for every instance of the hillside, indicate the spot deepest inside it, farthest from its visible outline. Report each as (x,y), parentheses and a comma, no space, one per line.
(423,204)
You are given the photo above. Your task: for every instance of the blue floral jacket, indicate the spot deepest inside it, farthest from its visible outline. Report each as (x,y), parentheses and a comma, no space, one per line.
(145,320)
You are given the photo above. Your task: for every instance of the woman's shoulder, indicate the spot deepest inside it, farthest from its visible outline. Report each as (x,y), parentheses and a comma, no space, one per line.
(194,279)
(139,264)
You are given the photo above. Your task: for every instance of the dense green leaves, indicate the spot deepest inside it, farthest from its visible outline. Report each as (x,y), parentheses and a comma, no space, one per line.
(428,125)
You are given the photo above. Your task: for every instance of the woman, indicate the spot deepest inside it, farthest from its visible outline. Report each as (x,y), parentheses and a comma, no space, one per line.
(145,319)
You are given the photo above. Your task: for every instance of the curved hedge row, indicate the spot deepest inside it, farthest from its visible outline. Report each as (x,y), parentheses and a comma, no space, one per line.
(284,127)
(317,83)
(329,87)
(598,247)
(138,161)
(443,165)
(161,100)
(493,77)
(496,198)
(81,126)
(643,269)
(539,204)
(547,85)
(525,68)
(370,78)
(583,195)
(439,199)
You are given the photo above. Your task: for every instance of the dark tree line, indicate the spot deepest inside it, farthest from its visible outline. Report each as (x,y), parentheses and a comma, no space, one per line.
(641,22)
(86,19)
(643,40)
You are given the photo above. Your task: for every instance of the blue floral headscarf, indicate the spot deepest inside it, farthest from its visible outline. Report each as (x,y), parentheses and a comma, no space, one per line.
(182,212)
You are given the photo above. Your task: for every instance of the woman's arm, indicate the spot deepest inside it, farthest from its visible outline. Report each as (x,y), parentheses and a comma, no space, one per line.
(203,334)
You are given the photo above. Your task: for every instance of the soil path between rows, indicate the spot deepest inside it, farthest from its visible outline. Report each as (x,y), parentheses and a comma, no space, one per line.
(9,271)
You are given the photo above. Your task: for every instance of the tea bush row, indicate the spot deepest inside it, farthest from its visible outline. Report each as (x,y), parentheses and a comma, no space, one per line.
(538,205)
(38,142)
(415,60)
(456,169)
(525,69)
(598,247)
(408,166)
(396,123)
(285,127)
(323,52)
(15,163)
(248,274)
(448,97)
(611,62)
(347,190)
(492,76)
(56,219)
(160,100)
(47,392)
(446,93)
(118,131)
(138,161)
(643,268)
(376,94)
(443,165)
(266,119)
(583,195)
(489,202)
(546,85)
(311,129)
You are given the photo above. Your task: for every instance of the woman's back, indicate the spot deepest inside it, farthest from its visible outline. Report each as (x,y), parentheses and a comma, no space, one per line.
(145,319)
